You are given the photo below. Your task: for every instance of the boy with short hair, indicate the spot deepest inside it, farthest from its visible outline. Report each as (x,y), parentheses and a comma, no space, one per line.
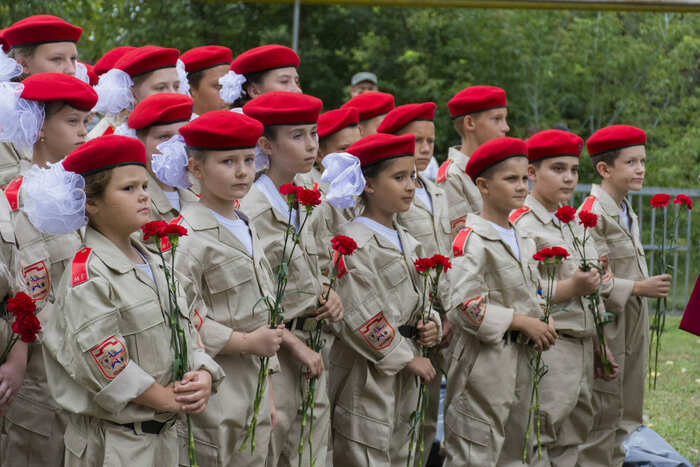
(618,154)
(479,115)
(372,107)
(205,66)
(496,311)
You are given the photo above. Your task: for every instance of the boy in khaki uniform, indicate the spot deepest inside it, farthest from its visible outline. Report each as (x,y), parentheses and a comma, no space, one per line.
(224,259)
(108,345)
(427,220)
(495,310)
(479,115)
(618,154)
(290,142)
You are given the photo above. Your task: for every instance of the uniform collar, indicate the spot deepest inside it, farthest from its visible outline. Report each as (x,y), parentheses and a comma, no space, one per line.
(458,157)
(158,198)
(479,225)
(606,201)
(112,256)
(200,218)
(542,214)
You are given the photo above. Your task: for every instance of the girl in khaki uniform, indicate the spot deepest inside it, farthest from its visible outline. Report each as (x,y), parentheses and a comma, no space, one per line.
(107,341)
(53,109)
(375,362)
(289,140)
(226,264)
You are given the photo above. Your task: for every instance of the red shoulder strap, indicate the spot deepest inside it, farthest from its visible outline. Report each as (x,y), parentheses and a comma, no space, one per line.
(164,241)
(442,171)
(588,203)
(12,192)
(78,269)
(108,131)
(515,215)
(460,241)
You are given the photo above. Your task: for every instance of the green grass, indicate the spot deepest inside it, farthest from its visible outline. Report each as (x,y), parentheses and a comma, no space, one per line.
(673,409)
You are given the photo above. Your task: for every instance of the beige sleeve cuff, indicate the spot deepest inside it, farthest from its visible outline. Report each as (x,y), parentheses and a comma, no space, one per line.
(129,384)
(621,292)
(202,361)
(215,336)
(497,320)
(397,359)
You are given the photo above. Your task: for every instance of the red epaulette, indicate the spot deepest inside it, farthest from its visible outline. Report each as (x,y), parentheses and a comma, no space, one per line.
(588,204)
(12,192)
(517,214)
(461,241)
(108,131)
(78,269)
(164,241)
(442,171)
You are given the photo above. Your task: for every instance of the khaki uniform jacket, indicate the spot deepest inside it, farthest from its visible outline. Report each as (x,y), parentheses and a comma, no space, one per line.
(12,163)
(161,209)
(108,340)
(463,196)
(106,122)
(381,291)
(8,252)
(487,373)
(231,284)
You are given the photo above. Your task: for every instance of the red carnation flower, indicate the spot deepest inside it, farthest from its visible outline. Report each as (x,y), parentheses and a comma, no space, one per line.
(308,197)
(174,229)
(153,228)
(27,326)
(684,199)
(565,214)
(343,245)
(424,264)
(559,252)
(543,254)
(20,305)
(288,189)
(441,261)
(660,200)
(588,219)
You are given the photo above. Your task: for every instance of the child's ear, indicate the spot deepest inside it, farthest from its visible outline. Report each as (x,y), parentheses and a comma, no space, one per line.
(265,144)
(195,168)
(369,186)
(253,90)
(603,169)
(468,123)
(532,173)
(483,185)
(91,207)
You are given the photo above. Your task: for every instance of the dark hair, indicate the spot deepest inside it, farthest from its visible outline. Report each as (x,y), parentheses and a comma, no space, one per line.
(536,164)
(270,132)
(195,77)
(51,108)
(255,77)
(95,183)
(608,157)
(193,153)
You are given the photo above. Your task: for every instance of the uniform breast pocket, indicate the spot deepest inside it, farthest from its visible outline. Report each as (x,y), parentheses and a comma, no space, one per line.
(227,284)
(393,274)
(147,335)
(502,281)
(420,227)
(621,246)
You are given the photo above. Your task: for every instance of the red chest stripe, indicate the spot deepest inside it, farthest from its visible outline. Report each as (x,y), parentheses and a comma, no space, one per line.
(12,192)
(78,269)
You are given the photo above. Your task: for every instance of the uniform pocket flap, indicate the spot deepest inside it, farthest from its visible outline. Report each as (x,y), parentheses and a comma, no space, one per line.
(362,429)
(393,273)
(226,276)
(96,331)
(75,442)
(467,426)
(137,318)
(30,416)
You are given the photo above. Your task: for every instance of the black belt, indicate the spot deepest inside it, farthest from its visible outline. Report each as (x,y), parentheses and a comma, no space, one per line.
(151,427)
(407,331)
(302,324)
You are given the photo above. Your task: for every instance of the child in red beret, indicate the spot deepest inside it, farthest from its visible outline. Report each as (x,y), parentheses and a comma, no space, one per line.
(205,66)
(372,107)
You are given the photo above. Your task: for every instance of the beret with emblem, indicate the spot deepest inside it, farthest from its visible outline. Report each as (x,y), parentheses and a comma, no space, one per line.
(105,152)
(382,146)
(208,56)
(107,61)
(284,108)
(222,130)
(146,59)
(476,99)
(615,137)
(335,120)
(494,151)
(371,104)
(263,58)
(48,87)
(161,109)
(405,114)
(39,29)
(553,143)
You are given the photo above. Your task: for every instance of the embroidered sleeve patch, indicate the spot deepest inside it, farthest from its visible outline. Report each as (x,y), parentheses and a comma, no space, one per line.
(37,280)
(458,223)
(378,332)
(110,356)
(197,320)
(474,310)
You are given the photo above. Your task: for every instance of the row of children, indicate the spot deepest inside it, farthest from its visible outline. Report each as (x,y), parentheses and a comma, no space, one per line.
(97,387)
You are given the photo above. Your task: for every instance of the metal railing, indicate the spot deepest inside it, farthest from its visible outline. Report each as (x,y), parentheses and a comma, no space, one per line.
(653,230)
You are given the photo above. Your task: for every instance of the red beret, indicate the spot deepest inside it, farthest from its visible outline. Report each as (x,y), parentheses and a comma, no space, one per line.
(371,103)
(266,57)
(38,29)
(161,109)
(222,130)
(335,120)
(201,58)
(690,321)
(91,74)
(47,87)
(381,146)
(284,108)
(492,152)
(615,137)
(405,114)
(475,99)
(105,152)
(553,143)
(147,58)
(107,61)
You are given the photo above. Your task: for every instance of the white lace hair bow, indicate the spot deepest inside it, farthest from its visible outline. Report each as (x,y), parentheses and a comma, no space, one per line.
(184,87)
(170,166)
(114,92)
(20,119)
(124,130)
(54,199)
(344,177)
(81,72)
(9,68)
(231,86)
